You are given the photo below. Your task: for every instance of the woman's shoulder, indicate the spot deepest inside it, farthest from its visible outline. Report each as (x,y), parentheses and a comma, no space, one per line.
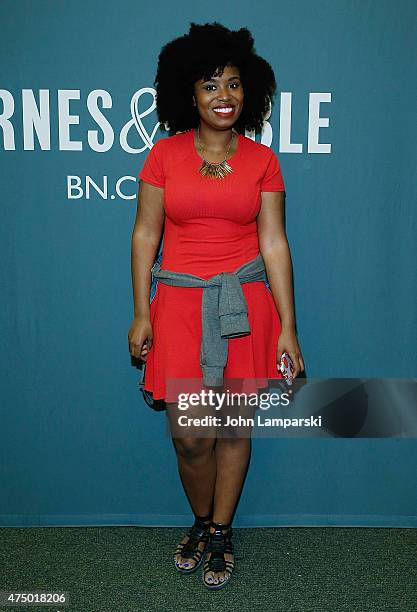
(168,149)
(174,141)
(259,149)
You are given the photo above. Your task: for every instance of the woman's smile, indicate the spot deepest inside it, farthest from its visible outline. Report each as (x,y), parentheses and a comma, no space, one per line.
(224,111)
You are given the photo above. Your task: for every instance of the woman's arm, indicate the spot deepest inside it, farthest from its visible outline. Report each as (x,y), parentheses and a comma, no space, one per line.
(146,236)
(275,250)
(273,245)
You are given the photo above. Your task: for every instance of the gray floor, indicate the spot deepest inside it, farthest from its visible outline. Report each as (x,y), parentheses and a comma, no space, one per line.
(285,569)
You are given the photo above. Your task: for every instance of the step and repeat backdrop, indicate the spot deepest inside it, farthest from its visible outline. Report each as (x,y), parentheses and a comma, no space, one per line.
(77,120)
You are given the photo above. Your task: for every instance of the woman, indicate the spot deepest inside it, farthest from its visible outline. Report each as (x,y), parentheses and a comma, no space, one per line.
(219,196)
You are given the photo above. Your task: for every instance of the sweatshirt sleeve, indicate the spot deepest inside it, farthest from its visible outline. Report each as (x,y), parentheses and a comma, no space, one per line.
(272,179)
(153,168)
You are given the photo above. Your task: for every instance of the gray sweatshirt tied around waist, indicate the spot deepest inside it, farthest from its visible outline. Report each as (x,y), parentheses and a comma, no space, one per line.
(224,311)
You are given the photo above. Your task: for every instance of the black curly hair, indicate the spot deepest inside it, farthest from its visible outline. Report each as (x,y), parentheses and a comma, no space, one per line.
(201,54)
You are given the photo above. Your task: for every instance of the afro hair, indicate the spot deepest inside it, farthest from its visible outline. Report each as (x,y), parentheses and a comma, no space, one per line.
(201,54)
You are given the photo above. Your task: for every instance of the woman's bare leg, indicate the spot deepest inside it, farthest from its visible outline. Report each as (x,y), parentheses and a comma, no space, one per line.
(196,465)
(232,458)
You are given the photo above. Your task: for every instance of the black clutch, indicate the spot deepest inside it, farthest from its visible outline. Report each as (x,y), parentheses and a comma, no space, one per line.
(158,405)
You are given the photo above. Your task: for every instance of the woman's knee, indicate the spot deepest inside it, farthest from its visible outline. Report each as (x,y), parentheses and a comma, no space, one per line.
(194,448)
(237,444)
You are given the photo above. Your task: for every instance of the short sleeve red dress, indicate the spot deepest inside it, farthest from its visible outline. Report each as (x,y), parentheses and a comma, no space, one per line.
(210,227)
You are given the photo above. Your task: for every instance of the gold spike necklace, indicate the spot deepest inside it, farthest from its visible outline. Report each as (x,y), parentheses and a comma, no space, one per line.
(214,169)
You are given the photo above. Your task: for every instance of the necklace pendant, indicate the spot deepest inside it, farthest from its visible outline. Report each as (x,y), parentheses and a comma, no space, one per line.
(213,170)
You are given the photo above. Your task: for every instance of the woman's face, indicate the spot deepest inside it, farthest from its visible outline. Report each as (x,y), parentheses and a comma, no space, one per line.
(220,92)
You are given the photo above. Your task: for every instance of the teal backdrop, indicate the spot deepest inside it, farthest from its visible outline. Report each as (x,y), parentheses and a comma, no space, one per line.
(79,445)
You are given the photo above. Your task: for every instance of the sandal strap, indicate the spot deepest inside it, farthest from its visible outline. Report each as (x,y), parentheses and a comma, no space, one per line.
(218,535)
(219,544)
(198,533)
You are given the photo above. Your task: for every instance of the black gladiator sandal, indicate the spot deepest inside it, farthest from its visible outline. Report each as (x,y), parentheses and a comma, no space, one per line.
(219,543)
(198,533)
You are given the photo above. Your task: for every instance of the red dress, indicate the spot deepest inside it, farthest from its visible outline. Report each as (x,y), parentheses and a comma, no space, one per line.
(210,227)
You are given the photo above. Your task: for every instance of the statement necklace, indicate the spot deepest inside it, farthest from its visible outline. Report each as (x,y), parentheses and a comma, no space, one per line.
(214,169)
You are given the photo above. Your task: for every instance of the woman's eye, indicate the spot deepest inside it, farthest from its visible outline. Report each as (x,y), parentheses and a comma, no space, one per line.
(234,85)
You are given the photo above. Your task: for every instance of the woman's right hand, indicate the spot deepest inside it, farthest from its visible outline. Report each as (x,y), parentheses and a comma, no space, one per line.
(140,337)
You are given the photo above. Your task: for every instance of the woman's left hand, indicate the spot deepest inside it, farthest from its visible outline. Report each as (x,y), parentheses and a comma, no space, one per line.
(288,341)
